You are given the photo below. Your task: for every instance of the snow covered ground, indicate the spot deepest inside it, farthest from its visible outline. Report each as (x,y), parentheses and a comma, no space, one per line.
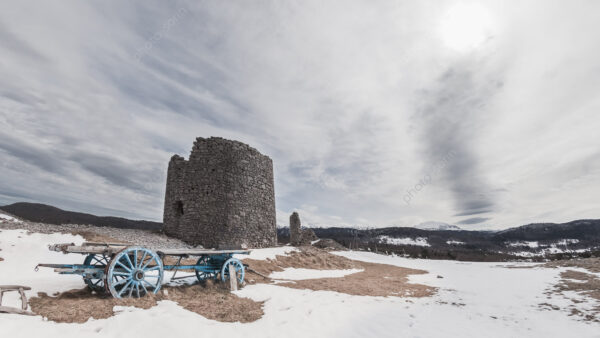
(4,217)
(474,300)
(532,245)
(545,249)
(419,241)
(268,253)
(22,252)
(300,274)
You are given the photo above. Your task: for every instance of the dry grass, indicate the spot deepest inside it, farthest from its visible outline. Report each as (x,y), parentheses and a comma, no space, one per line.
(215,301)
(212,301)
(307,257)
(591,264)
(77,306)
(584,284)
(580,282)
(375,280)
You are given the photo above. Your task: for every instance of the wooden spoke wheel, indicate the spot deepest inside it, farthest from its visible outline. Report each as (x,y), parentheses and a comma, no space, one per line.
(204,270)
(237,265)
(134,272)
(95,283)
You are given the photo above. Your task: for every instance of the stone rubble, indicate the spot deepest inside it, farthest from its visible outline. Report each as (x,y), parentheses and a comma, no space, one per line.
(147,238)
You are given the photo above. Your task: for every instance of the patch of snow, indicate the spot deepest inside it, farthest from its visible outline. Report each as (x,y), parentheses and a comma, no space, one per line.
(436,226)
(22,251)
(9,218)
(268,253)
(547,251)
(527,254)
(565,242)
(453,242)
(532,245)
(315,242)
(300,274)
(419,241)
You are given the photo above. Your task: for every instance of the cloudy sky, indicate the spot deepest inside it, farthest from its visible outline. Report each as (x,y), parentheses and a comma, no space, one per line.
(376,113)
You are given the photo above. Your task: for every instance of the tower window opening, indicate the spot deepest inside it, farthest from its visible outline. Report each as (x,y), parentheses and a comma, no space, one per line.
(179,208)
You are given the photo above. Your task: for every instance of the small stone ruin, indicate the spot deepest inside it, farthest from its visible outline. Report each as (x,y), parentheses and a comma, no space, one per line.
(298,235)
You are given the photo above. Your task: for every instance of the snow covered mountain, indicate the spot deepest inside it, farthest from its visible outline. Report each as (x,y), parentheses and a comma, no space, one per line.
(436,226)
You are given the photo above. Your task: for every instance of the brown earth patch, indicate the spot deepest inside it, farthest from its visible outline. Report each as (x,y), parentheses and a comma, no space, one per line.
(77,306)
(584,284)
(212,301)
(580,282)
(375,280)
(591,264)
(307,258)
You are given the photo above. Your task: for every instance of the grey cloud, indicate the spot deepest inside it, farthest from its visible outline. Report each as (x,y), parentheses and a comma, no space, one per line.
(56,161)
(474,220)
(474,212)
(39,157)
(119,173)
(18,46)
(449,120)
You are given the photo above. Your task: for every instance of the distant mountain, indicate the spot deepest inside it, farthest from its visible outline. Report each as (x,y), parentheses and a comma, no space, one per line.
(435,240)
(443,241)
(43,213)
(436,226)
(585,229)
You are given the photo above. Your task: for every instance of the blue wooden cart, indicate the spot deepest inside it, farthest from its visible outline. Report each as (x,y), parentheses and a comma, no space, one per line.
(134,271)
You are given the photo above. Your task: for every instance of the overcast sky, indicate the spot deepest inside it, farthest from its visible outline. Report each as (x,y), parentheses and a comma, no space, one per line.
(375,113)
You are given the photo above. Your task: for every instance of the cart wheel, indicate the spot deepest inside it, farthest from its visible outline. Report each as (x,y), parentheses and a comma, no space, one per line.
(100,261)
(134,271)
(239,270)
(204,275)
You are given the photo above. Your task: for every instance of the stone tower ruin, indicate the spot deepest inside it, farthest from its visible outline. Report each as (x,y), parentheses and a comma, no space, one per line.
(222,197)
(295,229)
(300,236)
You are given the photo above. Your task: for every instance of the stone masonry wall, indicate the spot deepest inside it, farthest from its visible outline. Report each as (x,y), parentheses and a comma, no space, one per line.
(222,197)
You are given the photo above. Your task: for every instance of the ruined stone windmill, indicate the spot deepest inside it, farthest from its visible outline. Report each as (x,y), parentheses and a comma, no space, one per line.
(222,197)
